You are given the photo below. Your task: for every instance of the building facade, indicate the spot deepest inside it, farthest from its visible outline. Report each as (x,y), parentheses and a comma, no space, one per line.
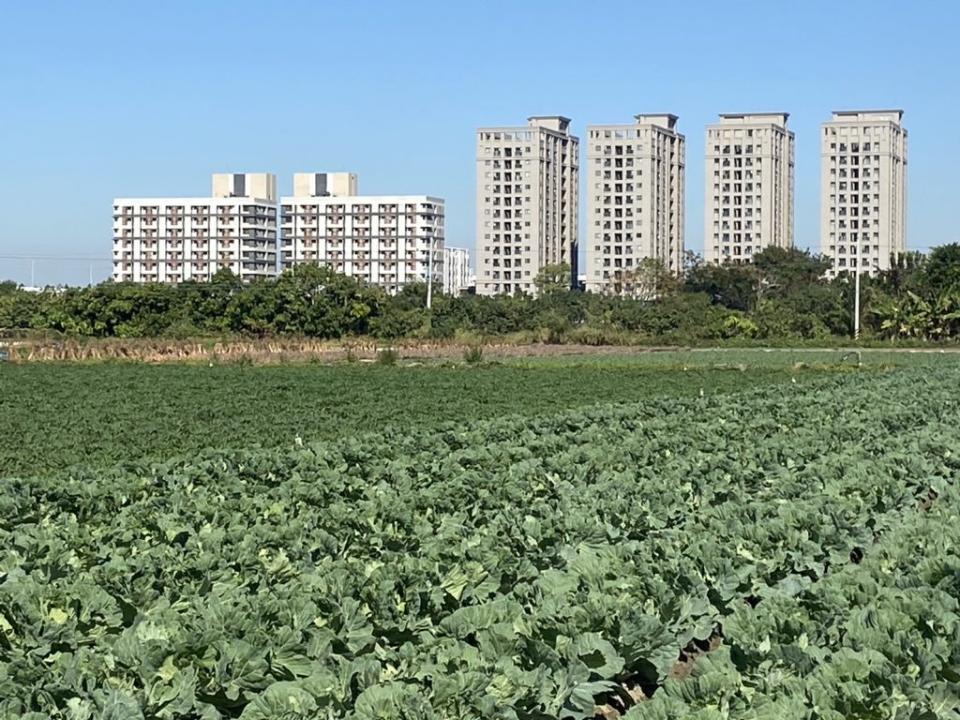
(749,186)
(863,189)
(456,270)
(635,201)
(172,240)
(385,240)
(527,203)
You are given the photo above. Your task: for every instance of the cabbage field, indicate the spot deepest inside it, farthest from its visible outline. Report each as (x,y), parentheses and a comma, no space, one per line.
(791,551)
(109,413)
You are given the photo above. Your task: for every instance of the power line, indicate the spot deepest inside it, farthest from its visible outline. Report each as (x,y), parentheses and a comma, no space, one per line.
(88,260)
(73,258)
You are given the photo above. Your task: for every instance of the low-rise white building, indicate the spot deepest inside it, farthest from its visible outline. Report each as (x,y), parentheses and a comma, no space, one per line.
(385,240)
(456,270)
(170,240)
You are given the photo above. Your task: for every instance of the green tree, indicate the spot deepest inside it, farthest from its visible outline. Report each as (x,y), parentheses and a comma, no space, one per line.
(783,271)
(552,279)
(690,261)
(650,279)
(912,316)
(310,300)
(941,271)
(404,314)
(733,286)
(904,271)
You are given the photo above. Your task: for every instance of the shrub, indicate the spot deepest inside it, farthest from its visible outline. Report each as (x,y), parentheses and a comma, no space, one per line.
(473,354)
(739,326)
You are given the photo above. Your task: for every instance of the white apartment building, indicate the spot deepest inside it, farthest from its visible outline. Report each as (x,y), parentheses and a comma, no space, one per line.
(385,240)
(456,270)
(749,186)
(863,189)
(170,240)
(527,203)
(635,200)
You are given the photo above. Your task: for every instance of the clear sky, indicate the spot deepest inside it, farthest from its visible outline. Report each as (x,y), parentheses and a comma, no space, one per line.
(104,99)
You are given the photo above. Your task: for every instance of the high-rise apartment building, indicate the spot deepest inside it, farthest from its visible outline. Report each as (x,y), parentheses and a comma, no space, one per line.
(527,202)
(863,189)
(635,200)
(456,270)
(385,240)
(749,186)
(170,240)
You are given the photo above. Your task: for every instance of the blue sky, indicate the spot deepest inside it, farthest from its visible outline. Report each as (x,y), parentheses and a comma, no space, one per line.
(104,99)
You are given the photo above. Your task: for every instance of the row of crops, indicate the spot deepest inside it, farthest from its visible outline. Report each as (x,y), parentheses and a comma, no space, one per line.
(786,553)
(109,413)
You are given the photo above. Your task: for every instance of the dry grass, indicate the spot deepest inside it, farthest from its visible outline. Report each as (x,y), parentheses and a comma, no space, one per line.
(273,351)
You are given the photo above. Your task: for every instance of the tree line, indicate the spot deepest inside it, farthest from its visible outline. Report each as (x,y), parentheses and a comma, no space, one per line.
(784,295)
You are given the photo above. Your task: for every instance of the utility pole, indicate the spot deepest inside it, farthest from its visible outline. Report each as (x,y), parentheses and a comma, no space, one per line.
(430,275)
(856,297)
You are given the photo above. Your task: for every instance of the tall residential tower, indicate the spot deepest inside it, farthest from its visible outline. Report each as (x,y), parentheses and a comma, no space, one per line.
(635,204)
(527,199)
(749,186)
(863,189)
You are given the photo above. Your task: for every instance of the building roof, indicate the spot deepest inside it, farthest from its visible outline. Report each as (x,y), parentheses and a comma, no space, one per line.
(669,117)
(656,114)
(196,199)
(870,110)
(858,113)
(755,114)
(367,199)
